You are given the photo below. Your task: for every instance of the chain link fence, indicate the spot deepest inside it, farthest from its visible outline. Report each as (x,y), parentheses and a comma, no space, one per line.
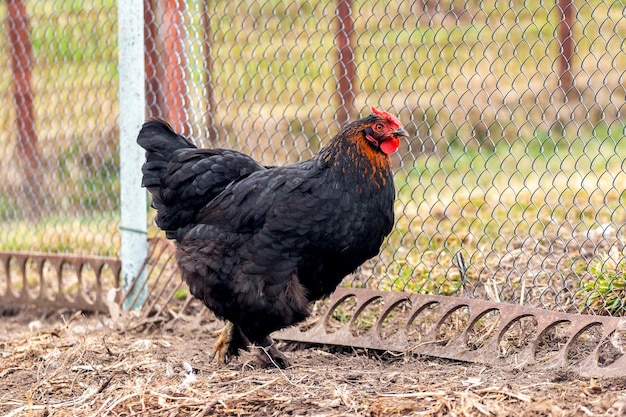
(511,187)
(59,154)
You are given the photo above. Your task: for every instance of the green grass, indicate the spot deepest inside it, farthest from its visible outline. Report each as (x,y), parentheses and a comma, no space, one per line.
(604,291)
(92,234)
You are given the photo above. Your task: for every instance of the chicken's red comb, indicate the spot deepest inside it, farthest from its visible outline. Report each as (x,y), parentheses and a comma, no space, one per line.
(388,116)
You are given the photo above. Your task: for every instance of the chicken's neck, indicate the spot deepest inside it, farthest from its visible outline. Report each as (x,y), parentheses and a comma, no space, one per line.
(349,159)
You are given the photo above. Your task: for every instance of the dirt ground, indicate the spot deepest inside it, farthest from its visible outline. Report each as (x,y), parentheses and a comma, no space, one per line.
(65,364)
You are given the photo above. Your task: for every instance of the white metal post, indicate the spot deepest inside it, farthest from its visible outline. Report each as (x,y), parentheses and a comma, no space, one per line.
(133,224)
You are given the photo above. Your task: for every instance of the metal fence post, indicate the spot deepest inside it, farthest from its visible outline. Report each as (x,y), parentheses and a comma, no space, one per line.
(566,13)
(346,66)
(132,113)
(21,52)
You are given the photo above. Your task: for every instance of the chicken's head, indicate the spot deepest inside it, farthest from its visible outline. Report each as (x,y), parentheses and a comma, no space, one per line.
(384,131)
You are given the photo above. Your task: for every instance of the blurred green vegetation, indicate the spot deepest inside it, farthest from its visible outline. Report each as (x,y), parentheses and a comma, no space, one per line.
(481,200)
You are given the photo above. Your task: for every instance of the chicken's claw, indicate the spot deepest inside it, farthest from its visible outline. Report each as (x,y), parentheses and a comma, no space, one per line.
(222,344)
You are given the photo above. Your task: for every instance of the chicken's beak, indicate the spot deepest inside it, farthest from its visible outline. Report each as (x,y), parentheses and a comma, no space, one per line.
(400,133)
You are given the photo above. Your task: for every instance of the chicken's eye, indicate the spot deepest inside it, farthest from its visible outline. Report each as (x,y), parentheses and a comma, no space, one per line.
(379,127)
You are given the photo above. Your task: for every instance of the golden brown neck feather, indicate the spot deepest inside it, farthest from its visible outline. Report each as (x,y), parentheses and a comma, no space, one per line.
(350,152)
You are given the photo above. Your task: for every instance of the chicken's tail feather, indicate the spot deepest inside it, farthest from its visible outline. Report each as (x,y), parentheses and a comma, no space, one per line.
(184,179)
(160,143)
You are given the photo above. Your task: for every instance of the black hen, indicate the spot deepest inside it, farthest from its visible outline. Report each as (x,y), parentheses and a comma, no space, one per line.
(258,245)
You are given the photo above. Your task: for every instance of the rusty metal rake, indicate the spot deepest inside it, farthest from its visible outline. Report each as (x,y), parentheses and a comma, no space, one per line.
(458,328)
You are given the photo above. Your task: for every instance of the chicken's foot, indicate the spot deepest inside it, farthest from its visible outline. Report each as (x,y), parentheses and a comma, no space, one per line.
(222,344)
(268,355)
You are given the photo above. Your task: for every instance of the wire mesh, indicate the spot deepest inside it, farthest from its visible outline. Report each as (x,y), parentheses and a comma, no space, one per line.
(510,188)
(59,153)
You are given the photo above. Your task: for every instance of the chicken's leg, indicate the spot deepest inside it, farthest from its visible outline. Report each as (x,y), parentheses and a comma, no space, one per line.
(222,344)
(230,340)
(269,356)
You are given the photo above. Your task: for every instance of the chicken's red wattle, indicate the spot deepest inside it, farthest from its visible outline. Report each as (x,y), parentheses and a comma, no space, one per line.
(390,145)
